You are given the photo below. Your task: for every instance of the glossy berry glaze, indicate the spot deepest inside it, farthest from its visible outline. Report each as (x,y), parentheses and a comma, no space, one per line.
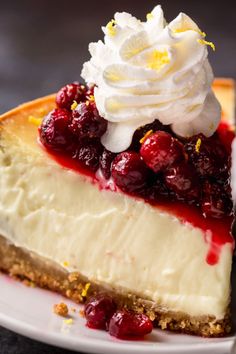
(188,178)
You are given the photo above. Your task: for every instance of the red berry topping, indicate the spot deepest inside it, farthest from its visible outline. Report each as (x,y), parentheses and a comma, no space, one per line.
(181,178)
(70,93)
(125,324)
(90,93)
(54,132)
(142,131)
(226,135)
(207,155)
(98,311)
(86,121)
(88,155)
(157,191)
(129,171)
(105,163)
(216,202)
(161,150)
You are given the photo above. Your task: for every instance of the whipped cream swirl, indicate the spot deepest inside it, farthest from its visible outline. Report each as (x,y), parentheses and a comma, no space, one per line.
(152,70)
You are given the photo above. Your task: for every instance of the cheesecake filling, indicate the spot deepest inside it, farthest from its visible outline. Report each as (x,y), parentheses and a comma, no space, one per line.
(109,237)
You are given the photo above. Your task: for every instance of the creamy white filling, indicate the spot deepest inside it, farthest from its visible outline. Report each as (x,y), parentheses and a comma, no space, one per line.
(109,237)
(152,70)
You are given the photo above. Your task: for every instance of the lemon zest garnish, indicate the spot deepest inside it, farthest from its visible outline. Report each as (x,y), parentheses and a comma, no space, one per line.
(185,29)
(42,111)
(85,289)
(145,136)
(149,16)
(74,105)
(34,120)
(69,321)
(111,31)
(81,313)
(202,41)
(198,145)
(158,59)
(203,34)
(65,264)
(180,30)
(91,97)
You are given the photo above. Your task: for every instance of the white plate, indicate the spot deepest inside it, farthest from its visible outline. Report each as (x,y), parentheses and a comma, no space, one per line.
(28,311)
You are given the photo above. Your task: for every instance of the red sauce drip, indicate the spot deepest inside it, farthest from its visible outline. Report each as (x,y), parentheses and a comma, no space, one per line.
(217,232)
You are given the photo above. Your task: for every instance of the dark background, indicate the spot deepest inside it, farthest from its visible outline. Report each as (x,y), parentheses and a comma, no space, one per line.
(43,44)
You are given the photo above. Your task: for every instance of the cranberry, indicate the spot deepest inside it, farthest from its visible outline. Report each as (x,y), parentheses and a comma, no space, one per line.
(88,155)
(226,135)
(181,178)
(129,171)
(90,92)
(157,191)
(86,121)
(98,311)
(161,150)
(209,157)
(69,93)
(105,163)
(54,131)
(140,133)
(125,324)
(216,202)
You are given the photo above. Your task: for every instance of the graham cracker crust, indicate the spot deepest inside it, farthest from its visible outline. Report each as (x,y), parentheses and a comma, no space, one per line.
(33,269)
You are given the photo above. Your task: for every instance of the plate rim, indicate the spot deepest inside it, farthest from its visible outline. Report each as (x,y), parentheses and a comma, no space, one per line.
(97,346)
(13,321)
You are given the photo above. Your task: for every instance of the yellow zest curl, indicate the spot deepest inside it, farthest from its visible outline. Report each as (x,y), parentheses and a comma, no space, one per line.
(111,31)
(149,16)
(203,34)
(68,322)
(198,145)
(42,111)
(34,120)
(146,136)
(202,41)
(74,105)
(158,59)
(85,290)
(185,29)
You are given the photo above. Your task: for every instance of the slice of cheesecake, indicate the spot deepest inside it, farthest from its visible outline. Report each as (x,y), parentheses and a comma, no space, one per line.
(75,233)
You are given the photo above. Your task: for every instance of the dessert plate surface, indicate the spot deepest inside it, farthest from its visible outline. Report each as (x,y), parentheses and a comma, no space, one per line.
(29,311)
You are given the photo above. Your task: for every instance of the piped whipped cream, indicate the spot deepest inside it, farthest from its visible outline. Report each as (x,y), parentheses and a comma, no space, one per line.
(152,70)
